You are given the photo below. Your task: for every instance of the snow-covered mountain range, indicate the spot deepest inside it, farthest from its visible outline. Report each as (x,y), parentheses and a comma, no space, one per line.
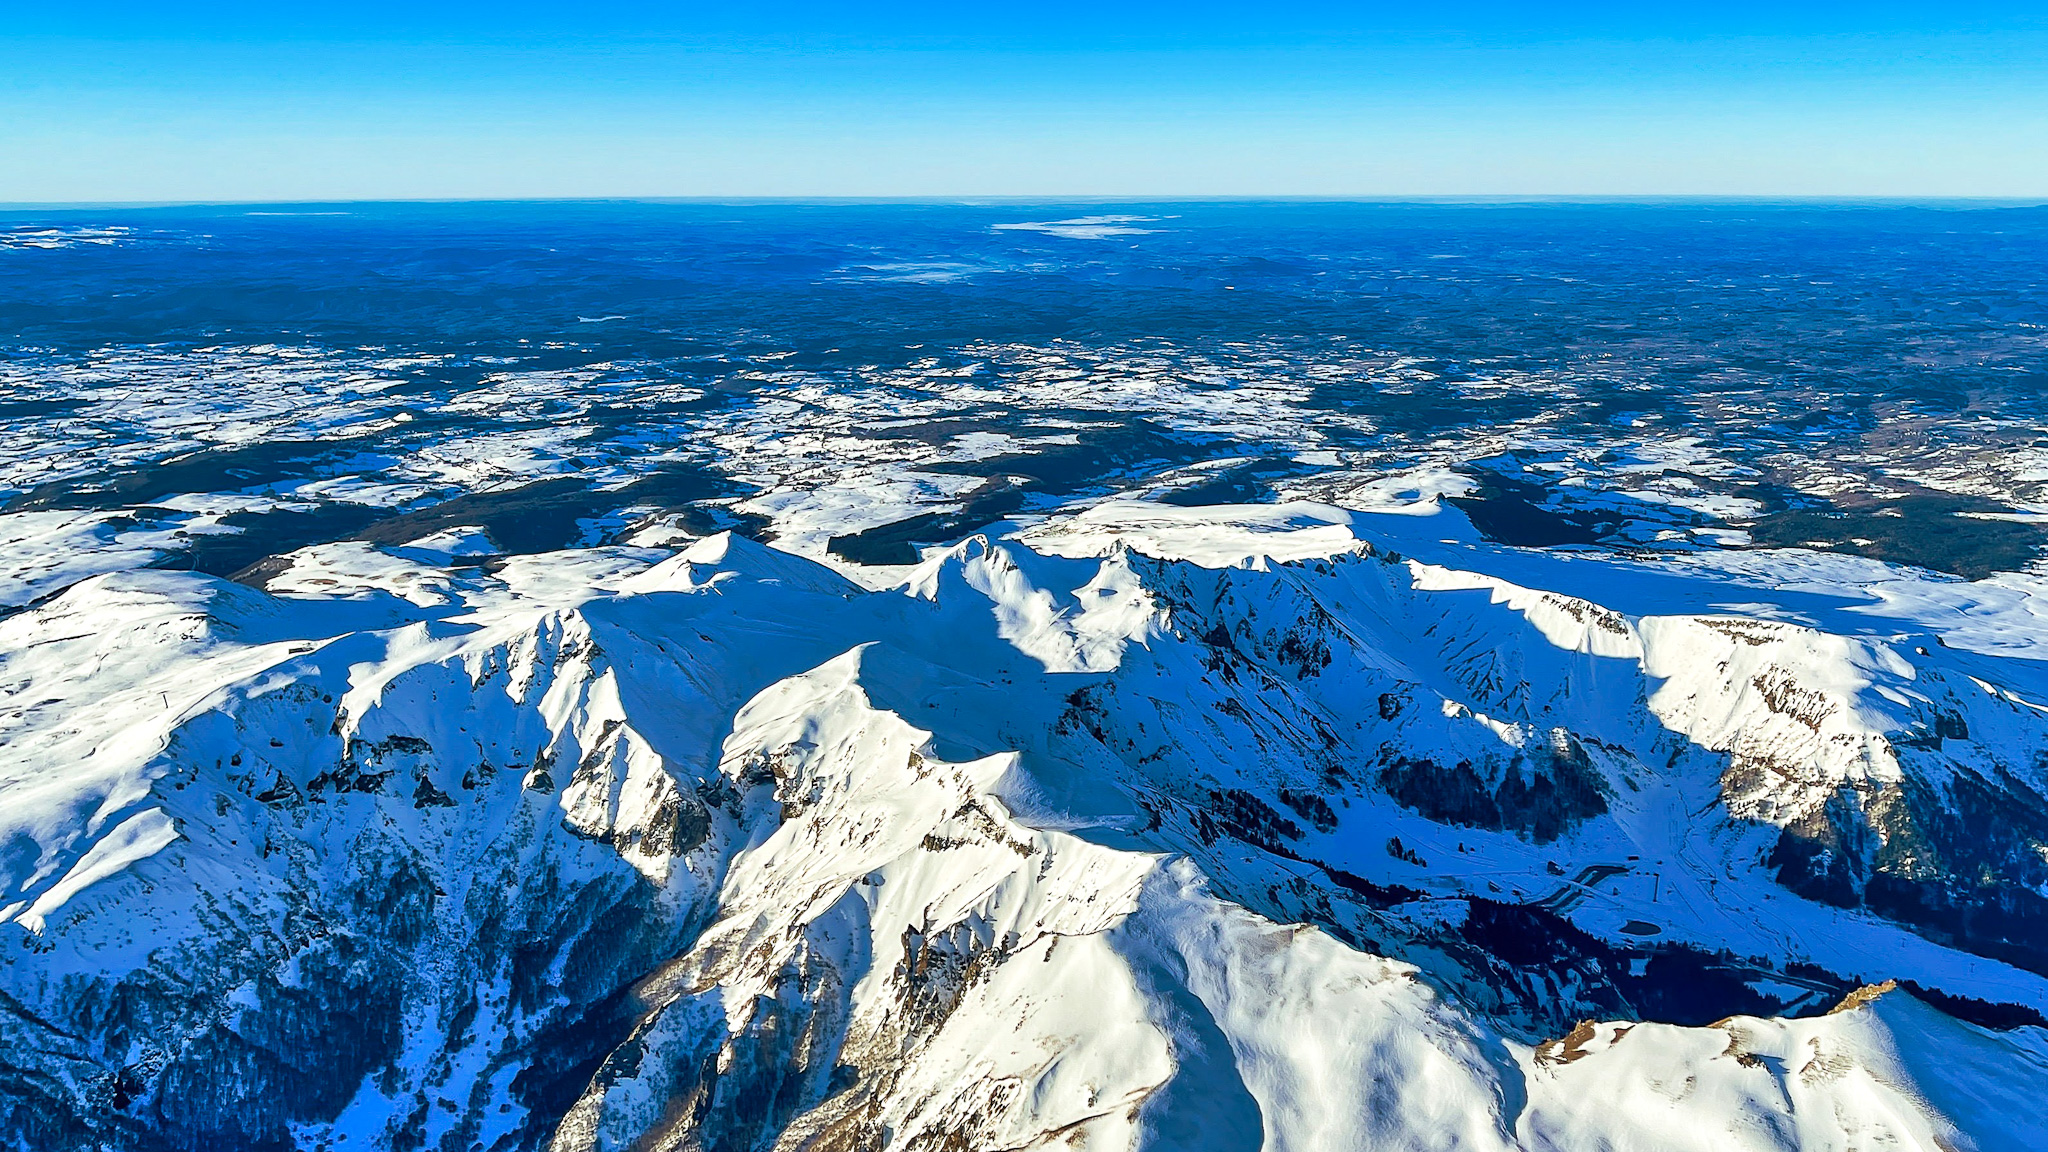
(1272,826)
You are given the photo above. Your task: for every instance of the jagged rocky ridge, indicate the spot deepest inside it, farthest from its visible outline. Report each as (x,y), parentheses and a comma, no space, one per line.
(1063,843)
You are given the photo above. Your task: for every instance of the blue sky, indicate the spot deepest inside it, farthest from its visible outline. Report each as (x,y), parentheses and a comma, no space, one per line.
(165,101)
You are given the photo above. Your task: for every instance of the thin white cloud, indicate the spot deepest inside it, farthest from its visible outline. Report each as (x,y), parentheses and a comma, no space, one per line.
(61,237)
(1084,227)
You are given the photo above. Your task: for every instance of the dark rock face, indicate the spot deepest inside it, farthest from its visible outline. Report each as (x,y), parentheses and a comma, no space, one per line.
(731,1092)
(231,1048)
(225,1047)
(1541,797)
(1243,816)
(1951,863)
(299,1054)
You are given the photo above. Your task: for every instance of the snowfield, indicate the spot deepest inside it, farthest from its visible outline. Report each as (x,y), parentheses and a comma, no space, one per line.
(1275,826)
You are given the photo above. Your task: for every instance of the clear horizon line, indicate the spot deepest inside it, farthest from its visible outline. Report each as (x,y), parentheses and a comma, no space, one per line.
(1074,198)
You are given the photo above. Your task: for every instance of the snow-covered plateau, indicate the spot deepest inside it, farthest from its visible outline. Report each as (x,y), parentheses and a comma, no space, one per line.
(1275,826)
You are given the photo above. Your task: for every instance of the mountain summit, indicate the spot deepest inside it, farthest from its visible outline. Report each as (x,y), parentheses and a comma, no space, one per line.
(1147,827)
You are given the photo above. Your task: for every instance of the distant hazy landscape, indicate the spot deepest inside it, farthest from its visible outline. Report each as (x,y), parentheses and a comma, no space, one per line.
(1860,377)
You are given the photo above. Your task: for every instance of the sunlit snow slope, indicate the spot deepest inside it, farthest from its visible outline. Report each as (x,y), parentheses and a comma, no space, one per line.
(1277,827)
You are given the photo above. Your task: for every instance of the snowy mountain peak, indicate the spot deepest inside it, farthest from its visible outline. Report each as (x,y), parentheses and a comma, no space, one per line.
(1149,829)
